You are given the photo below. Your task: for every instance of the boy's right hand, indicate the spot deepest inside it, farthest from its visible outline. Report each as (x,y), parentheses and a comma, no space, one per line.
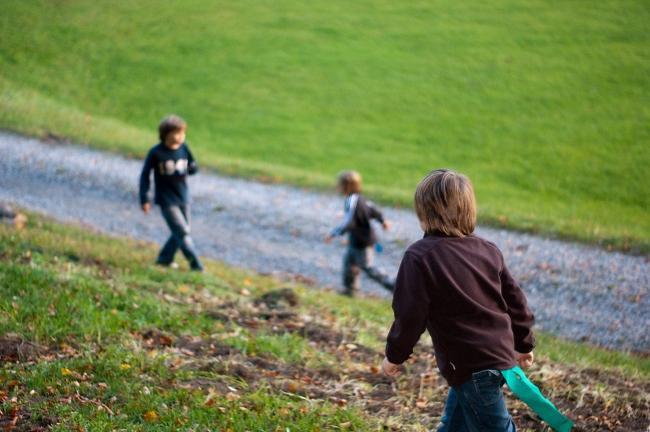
(146,207)
(390,369)
(386,225)
(525,360)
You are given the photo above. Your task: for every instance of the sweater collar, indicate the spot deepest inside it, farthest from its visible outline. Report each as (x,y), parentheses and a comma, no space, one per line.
(437,233)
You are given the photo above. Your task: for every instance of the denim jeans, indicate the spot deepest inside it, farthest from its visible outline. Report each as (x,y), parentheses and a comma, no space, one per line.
(178,221)
(357,259)
(477,405)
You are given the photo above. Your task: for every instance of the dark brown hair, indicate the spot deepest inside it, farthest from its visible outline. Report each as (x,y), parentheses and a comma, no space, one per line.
(170,123)
(444,202)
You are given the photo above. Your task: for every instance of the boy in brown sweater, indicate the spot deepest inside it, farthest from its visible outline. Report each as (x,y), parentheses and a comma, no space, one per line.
(456,285)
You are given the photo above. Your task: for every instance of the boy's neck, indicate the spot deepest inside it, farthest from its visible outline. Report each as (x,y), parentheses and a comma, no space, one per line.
(436,233)
(173,146)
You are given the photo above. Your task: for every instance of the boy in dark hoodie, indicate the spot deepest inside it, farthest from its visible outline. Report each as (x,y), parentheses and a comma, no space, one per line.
(171,162)
(361,237)
(456,285)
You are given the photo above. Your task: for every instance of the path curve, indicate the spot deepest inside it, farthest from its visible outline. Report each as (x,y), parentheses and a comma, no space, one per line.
(576,291)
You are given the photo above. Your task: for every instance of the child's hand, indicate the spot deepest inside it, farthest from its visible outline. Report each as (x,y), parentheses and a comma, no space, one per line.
(146,207)
(390,369)
(525,360)
(386,225)
(328,238)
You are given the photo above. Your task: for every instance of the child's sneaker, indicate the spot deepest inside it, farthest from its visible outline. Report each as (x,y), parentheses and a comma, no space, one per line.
(171,265)
(196,266)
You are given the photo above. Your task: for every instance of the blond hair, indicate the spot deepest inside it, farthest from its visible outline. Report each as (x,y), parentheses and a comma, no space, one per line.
(170,123)
(349,182)
(444,202)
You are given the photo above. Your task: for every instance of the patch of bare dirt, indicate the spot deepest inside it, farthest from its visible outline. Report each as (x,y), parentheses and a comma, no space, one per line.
(14,348)
(595,399)
(281,298)
(102,267)
(188,345)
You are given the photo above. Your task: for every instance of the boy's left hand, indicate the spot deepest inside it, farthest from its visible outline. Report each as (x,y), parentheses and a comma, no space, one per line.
(386,225)
(390,369)
(525,360)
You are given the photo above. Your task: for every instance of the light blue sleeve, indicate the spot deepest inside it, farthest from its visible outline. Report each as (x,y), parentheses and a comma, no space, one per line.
(350,207)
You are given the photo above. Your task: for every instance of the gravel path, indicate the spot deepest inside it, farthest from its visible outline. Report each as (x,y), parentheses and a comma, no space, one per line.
(576,291)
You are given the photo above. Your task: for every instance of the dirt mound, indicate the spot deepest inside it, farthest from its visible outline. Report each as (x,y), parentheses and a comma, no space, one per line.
(20,419)
(278,299)
(154,338)
(15,348)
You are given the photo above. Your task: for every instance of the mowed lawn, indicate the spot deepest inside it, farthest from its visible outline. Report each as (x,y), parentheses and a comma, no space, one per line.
(544,104)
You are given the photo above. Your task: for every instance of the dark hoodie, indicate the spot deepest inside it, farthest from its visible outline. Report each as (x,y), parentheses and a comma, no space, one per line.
(460,290)
(356,222)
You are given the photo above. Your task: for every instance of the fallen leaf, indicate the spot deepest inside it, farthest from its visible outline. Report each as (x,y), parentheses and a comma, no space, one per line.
(293,387)
(150,416)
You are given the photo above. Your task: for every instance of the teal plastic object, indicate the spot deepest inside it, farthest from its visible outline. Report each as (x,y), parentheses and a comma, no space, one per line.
(528,392)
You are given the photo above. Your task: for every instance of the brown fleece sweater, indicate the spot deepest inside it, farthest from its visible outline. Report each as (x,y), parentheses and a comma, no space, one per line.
(459,289)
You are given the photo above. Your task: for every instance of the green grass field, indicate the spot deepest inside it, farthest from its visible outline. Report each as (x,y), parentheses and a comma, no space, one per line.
(545,104)
(94,339)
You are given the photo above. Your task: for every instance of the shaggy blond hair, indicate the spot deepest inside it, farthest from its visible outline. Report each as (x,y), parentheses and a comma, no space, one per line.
(444,202)
(349,182)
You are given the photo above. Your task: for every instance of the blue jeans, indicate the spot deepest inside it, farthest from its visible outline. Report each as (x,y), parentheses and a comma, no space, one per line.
(477,405)
(354,261)
(178,221)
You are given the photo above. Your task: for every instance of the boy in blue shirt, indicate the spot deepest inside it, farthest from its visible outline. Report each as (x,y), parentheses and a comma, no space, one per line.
(171,162)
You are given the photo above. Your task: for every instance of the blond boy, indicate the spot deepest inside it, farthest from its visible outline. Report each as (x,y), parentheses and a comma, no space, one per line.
(457,286)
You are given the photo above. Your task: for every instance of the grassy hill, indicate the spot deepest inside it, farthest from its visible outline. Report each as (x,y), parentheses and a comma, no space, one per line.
(92,338)
(543,103)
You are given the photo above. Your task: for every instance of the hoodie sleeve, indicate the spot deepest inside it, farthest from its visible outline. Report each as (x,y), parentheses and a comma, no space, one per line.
(192,167)
(411,305)
(520,315)
(145,177)
(374,212)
